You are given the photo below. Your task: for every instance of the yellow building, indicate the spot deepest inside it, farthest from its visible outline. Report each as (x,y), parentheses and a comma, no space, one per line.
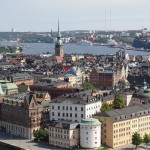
(119,125)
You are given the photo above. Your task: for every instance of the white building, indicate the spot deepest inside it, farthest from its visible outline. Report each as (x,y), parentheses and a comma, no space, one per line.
(90,133)
(74,107)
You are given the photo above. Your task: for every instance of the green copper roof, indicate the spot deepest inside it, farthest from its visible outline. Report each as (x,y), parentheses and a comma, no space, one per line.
(90,121)
(7,85)
(1,90)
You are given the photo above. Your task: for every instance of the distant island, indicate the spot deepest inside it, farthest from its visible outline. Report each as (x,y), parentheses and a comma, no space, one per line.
(10,49)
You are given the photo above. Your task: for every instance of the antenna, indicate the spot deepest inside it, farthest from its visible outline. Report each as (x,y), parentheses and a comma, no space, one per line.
(110,19)
(105,20)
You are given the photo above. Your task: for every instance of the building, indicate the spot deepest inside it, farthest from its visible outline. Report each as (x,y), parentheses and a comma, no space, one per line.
(64,134)
(19,78)
(104,79)
(54,89)
(7,88)
(20,114)
(119,125)
(6,65)
(74,107)
(90,133)
(59,45)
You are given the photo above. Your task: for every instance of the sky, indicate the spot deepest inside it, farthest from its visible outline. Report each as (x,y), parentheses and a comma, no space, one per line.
(42,15)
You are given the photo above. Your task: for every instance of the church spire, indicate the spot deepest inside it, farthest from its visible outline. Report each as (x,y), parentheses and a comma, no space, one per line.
(59,35)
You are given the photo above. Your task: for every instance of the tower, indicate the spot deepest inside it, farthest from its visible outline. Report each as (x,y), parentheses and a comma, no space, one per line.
(59,45)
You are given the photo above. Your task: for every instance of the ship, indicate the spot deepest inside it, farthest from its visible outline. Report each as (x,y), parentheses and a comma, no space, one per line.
(112,43)
(84,43)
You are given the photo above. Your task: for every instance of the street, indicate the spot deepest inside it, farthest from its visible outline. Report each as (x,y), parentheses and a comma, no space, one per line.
(24,143)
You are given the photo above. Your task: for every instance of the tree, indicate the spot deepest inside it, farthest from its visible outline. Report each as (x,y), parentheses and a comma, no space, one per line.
(87,86)
(136,139)
(105,107)
(118,101)
(41,134)
(146,139)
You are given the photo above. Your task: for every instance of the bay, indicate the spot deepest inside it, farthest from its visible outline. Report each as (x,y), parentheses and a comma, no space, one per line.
(38,48)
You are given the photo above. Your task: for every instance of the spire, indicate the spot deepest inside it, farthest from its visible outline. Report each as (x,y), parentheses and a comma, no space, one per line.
(59,35)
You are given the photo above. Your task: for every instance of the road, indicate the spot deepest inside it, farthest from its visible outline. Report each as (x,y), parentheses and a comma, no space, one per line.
(24,143)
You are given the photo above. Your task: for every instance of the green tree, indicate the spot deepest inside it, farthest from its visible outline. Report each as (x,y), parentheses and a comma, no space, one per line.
(136,139)
(87,86)
(105,107)
(41,134)
(118,101)
(146,139)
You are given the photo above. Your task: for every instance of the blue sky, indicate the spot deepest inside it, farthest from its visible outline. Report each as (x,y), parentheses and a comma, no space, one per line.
(42,15)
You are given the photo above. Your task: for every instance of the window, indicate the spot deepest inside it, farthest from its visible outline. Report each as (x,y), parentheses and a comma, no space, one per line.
(52,106)
(58,107)
(58,113)
(63,107)
(76,108)
(86,138)
(75,115)
(86,132)
(52,113)
(70,108)
(32,105)
(81,108)
(66,107)
(63,114)
(81,115)
(70,115)
(66,114)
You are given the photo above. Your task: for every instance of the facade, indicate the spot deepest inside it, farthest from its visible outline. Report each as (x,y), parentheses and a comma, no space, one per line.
(20,114)
(90,133)
(104,79)
(119,125)
(6,65)
(20,78)
(74,107)
(64,134)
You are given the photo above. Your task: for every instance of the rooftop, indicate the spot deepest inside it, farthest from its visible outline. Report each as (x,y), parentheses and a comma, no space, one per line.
(126,113)
(90,121)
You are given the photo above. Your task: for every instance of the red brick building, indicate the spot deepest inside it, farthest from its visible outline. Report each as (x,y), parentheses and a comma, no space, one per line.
(104,79)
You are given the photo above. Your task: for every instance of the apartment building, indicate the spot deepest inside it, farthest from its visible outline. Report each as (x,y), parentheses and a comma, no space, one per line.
(104,79)
(20,114)
(119,125)
(64,134)
(74,107)
(19,78)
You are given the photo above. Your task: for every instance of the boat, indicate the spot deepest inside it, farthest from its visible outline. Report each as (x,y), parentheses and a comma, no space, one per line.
(84,43)
(112,43)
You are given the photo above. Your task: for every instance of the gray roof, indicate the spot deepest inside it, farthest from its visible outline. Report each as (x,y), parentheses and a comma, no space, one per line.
(64,124)
(126,113)
(76,98)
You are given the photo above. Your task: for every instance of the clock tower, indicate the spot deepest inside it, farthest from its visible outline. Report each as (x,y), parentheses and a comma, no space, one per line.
(59,45)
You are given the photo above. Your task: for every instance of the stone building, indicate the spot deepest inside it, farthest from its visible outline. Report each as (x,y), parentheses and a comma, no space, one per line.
(119,125)
(20,114)
(64,134)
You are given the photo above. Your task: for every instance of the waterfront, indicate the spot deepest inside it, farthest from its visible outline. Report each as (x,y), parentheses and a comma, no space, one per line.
(38,48)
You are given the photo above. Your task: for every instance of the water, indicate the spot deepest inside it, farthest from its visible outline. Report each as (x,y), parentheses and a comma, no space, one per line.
(35,48)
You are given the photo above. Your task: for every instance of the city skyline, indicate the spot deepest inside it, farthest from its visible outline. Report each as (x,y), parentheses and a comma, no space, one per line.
(85,15)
